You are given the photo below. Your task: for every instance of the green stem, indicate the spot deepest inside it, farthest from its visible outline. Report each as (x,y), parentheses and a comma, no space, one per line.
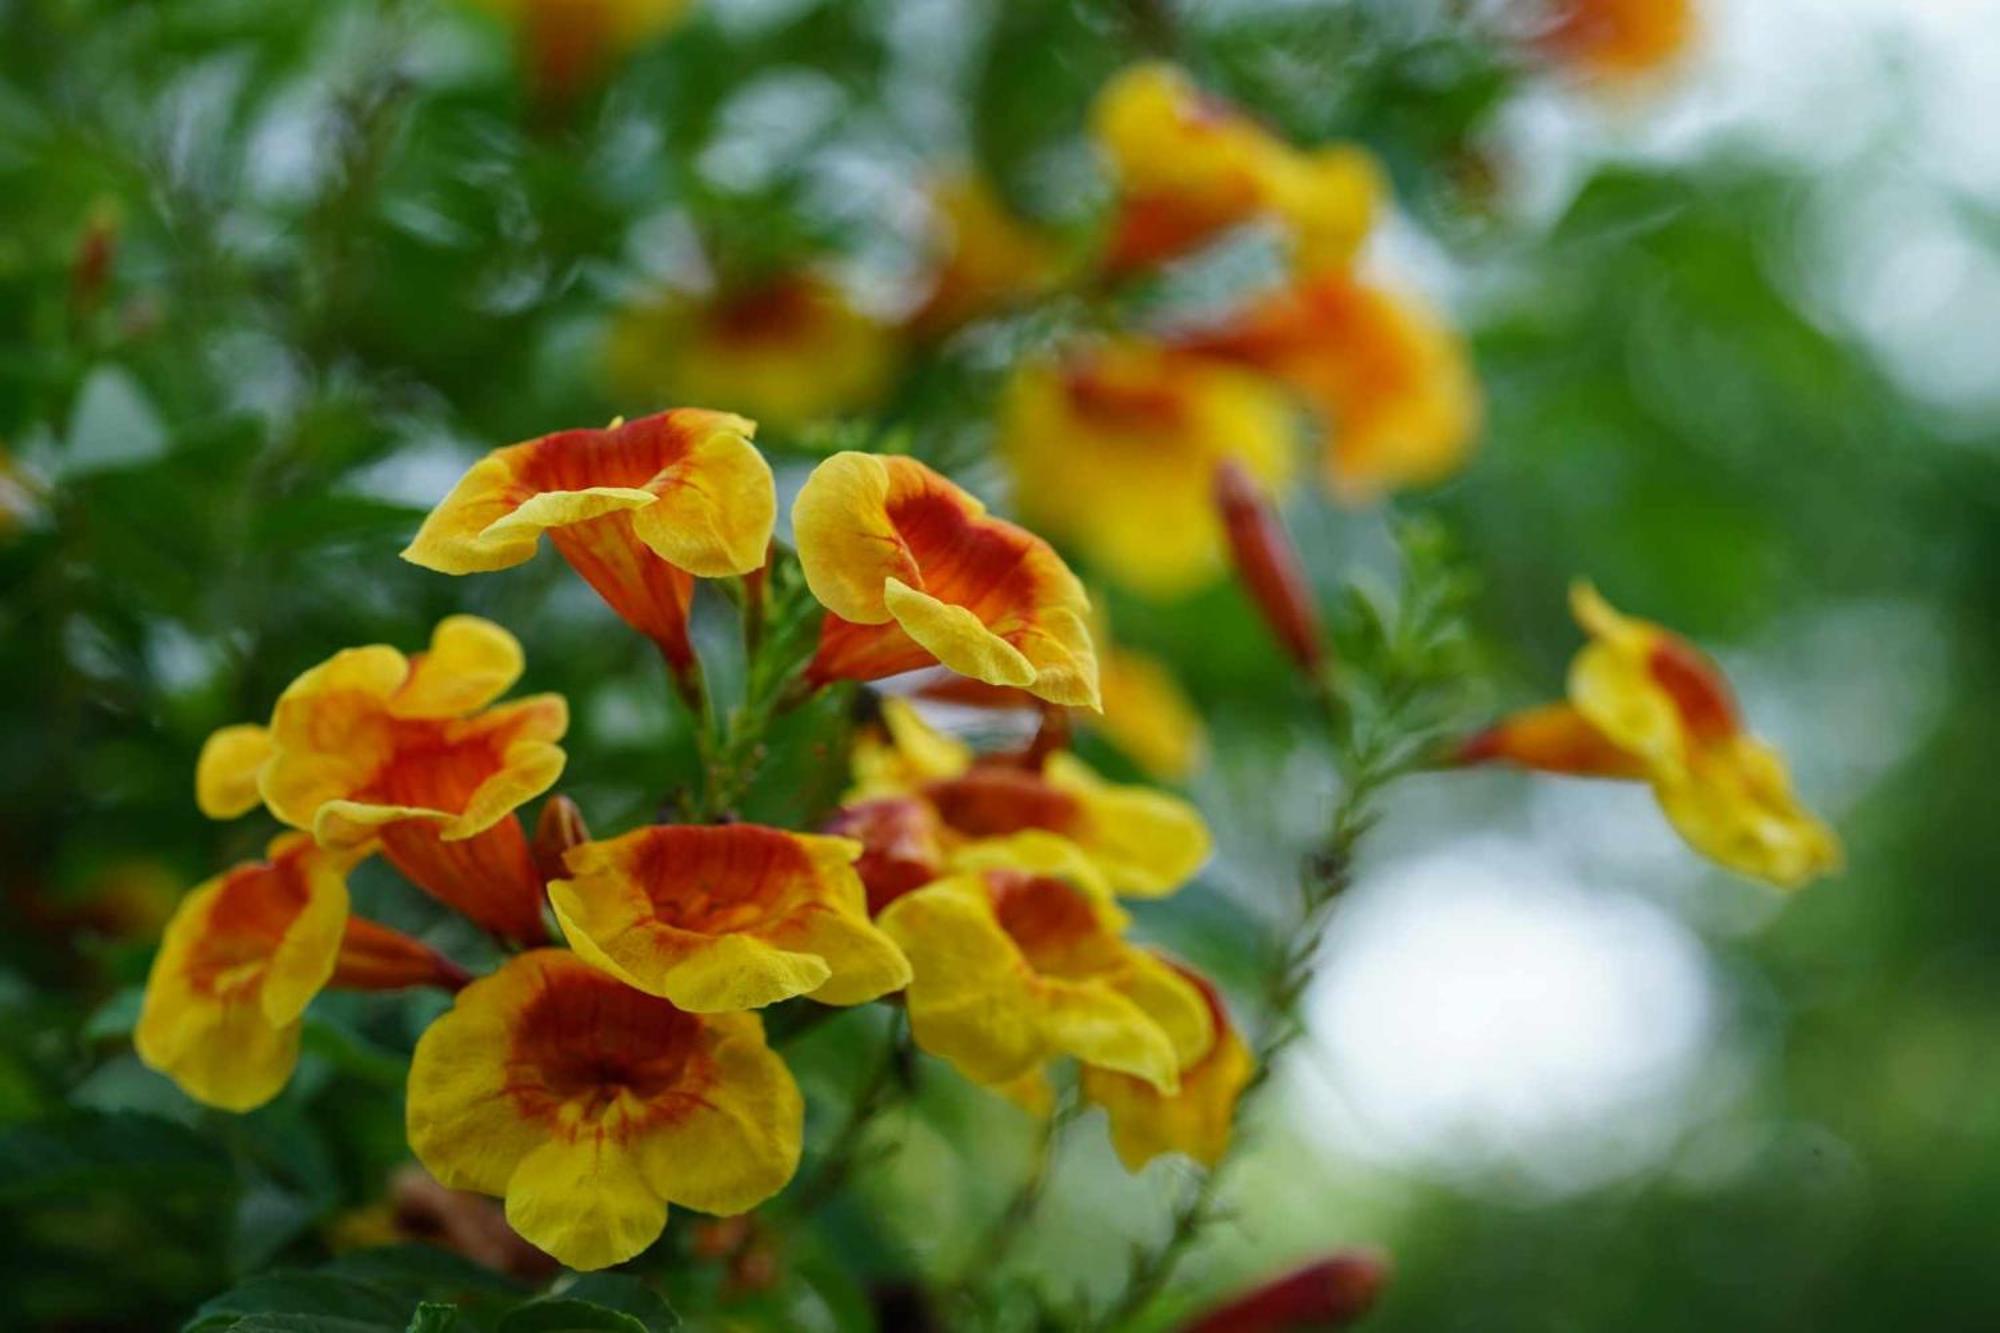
(1005,1232)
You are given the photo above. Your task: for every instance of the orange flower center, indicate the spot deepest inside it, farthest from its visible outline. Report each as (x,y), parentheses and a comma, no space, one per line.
(628,455)
(992,802)
(1123,404)
(969,562)
(256,906)
(434,769)
(592,1052)
(717,880)
(1052,924)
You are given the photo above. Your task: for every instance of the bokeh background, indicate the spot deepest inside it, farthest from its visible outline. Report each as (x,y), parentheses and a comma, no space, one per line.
(271,275)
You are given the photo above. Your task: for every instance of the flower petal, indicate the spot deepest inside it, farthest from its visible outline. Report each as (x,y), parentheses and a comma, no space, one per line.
(742,1144)
(957,638)
(1147,842)
(471,663)
(1736,806)
(847,546)
(225,777)
(716,505)
(585,1202)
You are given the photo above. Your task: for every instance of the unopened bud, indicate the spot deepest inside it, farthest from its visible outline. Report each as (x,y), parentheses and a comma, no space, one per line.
(1268,564)
(559,828)
(1329,1294)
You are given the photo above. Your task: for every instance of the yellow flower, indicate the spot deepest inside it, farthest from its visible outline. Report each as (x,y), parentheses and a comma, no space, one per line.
(1391,383)
(1145,843)
(1188,166)
(566,45)
(1644,702)
(733,917)
(789,351)
(1016,964)
(243,956)
(241,959)
(1149,717)
(986,258)
(1196,1121)
(1114,450)
(1618,40)
(374,745)
(913,572)
(591,1107)
(638,509)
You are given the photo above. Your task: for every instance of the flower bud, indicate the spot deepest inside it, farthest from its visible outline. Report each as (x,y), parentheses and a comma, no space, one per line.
(559,828)
(1329,1294)
(1268,564)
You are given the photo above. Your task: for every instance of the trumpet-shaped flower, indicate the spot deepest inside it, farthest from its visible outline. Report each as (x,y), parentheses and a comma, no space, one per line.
(1113,450)
(590,1107)
(1618,40)
(372,745)
(725,918)
(567,45)
(243,956)
(913,572)
(1391,383)
(1188,166)
(1196,1120)
(986,258)
(789,350)
(1022,958)
(1145,843)
(1645,703)
(638,509)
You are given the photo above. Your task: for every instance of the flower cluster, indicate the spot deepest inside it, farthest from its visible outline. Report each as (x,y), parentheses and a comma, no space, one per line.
(593,1086)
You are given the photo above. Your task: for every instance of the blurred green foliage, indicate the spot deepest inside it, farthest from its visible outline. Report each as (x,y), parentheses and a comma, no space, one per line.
(344,252)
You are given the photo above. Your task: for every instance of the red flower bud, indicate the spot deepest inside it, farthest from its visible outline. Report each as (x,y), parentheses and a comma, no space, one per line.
(559,828)
(1329,1294)
(1268,564)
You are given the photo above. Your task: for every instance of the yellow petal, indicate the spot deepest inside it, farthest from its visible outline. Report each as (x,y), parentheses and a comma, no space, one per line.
(967,1000)
(1736,806)
(1196,1121)
(587,1203)
(1147,842)
(471,663)
(225,777)
(956,637)
(864,964)
(1174,1004)
(847,546)
(456,537)
(1101,1027)
(741,1145)
(716,505)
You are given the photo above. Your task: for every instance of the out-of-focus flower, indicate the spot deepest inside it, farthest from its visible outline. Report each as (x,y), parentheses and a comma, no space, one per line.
(1188,166)
(1618,40)
(724,918)
(1644,702)
(1196,1120)
(1023,958)
(986,257)
(1331,1293)
(1112,449)
(96,251)
(1145,843)
(902,845)
(1149,717)
(243,956)
(788,350)
(417,1209)
(1269,565)
(567,45)
(638,509)
(913,572)
(374,745)
(1391,382)
(591,1106)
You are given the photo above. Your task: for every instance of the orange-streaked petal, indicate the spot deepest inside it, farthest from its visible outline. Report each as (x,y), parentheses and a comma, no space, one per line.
(1195,1121)
(727,918)
(1736,806)
(243,956)
(886,540)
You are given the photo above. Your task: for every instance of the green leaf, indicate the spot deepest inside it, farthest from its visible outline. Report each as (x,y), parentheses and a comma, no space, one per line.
(596,1303)
(432,1317)
(318,1294)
